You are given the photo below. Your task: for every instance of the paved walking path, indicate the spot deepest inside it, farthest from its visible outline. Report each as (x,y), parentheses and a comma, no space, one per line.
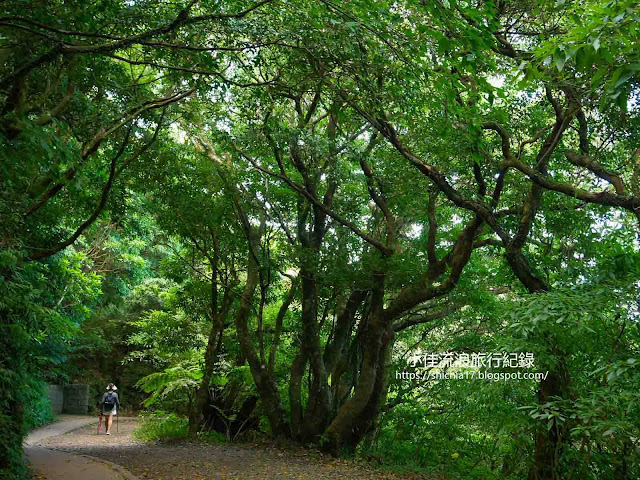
(65,424)
(200,460)
(48,464)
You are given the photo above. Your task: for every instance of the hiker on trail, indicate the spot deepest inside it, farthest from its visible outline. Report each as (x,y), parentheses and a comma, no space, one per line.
(110,405)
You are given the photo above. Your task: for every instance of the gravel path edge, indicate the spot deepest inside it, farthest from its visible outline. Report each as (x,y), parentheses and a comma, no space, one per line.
(118,468)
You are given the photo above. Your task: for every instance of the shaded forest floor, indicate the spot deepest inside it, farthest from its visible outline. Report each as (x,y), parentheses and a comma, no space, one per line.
(183,460)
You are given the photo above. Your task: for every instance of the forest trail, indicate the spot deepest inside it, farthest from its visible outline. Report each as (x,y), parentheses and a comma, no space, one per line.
(49,464)
(182,460)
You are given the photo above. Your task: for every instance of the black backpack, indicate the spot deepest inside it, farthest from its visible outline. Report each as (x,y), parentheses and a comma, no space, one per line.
(109,402)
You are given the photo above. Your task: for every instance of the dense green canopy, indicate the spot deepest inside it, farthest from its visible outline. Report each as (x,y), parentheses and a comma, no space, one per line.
(259,214)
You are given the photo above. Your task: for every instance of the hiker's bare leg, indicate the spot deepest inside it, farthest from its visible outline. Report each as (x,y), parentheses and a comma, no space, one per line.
(109,422)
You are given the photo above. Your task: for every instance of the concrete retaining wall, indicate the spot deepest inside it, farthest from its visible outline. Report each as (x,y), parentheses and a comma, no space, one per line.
(76,399)
(56,397)
(69,399)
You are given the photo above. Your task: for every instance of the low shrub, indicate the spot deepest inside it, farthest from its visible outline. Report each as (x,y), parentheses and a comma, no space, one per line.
(162,426)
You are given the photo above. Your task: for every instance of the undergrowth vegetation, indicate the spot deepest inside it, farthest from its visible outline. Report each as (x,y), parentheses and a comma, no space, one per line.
(162,426)
(406,230)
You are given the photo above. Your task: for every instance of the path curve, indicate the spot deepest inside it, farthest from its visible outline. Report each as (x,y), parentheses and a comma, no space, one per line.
(210,460)
(50,464)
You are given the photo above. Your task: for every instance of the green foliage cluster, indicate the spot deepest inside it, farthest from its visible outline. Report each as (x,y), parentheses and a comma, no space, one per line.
(251,214)
(162,426)
(177,382)
(44,307)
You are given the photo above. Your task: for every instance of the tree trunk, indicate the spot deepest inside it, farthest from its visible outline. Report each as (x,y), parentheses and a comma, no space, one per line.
(355,416)
(196,416)
(318,409)
(265,383)
(548,442)
(202,395)
(520,267)
(370,417)
(295,393)
(345,322)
